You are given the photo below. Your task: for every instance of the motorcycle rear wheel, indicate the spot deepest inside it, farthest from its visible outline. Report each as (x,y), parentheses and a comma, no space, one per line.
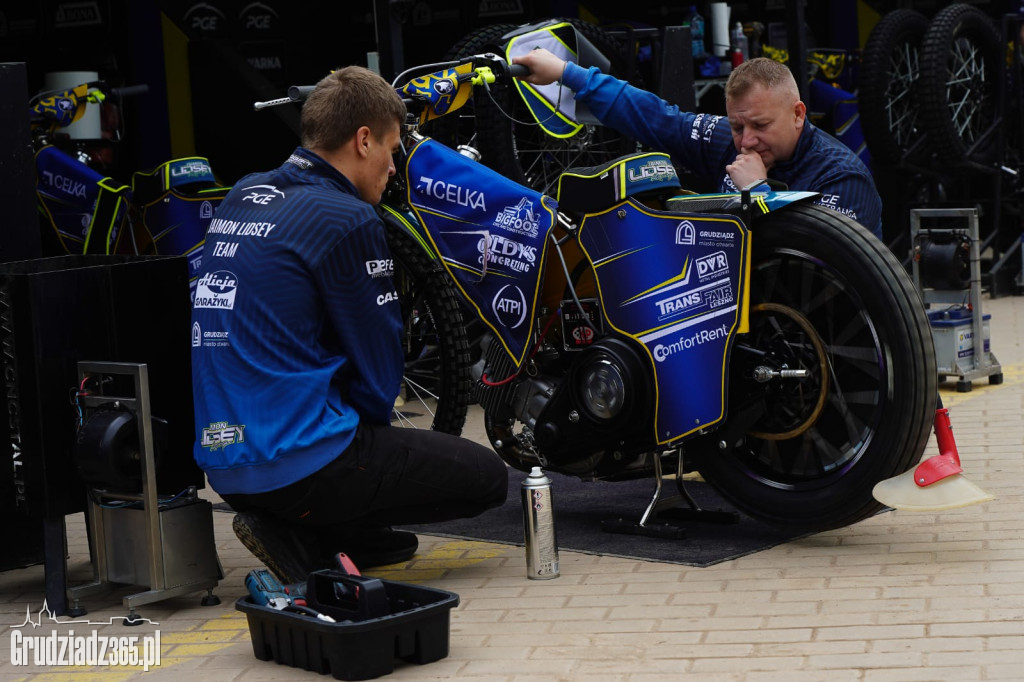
(437,359)
(827,297)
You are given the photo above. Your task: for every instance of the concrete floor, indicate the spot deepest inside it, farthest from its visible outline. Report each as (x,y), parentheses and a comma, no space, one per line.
(898,597)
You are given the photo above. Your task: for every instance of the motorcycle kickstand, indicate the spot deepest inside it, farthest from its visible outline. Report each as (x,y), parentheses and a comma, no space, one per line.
(693,511)
(643,527)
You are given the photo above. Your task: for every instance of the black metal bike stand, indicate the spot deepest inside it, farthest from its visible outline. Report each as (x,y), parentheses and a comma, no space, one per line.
(663,516)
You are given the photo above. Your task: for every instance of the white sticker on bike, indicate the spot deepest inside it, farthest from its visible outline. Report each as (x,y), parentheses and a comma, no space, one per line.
(519,218)
(509,306)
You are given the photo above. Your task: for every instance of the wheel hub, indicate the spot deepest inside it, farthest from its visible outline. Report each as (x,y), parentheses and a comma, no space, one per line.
(796,363)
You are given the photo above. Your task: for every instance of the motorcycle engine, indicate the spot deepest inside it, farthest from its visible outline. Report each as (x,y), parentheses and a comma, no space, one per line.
(581,411)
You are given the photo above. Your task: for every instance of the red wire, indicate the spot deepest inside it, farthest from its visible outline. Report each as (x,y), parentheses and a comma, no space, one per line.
(540,339)
(487,382)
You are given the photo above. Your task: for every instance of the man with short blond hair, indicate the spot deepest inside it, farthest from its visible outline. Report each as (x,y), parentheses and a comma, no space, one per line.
(764,137)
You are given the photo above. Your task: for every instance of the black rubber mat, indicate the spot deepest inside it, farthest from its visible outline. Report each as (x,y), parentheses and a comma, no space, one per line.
(583,510)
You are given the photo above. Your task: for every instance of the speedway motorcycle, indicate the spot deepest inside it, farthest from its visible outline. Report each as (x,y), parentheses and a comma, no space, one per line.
(632,328)
(165,210)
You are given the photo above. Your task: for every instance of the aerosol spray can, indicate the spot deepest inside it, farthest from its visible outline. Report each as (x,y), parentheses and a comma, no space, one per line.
(539,527)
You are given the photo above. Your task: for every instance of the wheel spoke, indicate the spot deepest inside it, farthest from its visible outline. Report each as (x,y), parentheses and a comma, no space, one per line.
(900,107)
(830,457)
(421,393)
(544,159)
(863,358)
(966,90)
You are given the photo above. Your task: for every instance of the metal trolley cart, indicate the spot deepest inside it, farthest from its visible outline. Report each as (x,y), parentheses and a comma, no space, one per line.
(137,538)
(946,269)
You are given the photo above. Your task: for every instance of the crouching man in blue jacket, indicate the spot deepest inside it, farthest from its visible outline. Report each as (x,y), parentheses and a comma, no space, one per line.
(297,357)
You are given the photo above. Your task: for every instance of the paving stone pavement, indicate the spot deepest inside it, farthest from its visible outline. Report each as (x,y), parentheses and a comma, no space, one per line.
(899,597)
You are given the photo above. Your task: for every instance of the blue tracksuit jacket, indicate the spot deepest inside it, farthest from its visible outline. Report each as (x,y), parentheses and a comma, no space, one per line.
(703,144)
(295,327)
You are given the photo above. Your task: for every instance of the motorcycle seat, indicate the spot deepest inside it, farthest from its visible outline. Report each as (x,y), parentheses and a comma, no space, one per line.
(596,188)
(703,203)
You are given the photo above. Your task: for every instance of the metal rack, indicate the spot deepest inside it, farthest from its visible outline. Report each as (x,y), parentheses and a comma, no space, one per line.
(980,362)
(168,546)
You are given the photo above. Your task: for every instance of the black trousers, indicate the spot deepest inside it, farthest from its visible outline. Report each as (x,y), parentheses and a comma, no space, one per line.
(390,476)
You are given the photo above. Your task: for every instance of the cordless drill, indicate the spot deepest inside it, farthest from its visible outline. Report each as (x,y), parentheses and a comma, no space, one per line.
(265,589)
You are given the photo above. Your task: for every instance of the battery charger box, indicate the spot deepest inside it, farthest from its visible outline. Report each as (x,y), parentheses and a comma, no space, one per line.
(953,334)
(377,621)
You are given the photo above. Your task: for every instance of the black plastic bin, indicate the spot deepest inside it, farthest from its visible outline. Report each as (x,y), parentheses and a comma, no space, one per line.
(388,620)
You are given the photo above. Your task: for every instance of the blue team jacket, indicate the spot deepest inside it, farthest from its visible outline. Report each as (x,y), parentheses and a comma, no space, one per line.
(703,144)
(295,327)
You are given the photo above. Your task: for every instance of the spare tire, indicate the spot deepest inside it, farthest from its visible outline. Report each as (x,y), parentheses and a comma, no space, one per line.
(889,72)
(961,68)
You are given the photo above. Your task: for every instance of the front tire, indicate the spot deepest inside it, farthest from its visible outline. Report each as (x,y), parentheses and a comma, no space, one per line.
(828,298)
(437,359)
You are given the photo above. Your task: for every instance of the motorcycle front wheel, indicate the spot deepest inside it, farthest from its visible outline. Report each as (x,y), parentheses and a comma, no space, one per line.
(805,452)
(435,391)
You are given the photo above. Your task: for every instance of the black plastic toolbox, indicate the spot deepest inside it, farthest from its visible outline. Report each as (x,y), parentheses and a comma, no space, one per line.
(377,621)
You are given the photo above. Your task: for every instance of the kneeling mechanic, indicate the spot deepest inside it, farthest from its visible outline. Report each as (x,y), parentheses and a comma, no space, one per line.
(297,357)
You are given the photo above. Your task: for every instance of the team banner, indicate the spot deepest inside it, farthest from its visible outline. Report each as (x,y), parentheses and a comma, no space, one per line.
(672,281)
(491,234)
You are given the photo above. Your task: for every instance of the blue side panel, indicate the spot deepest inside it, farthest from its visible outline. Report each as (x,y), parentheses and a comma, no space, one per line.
(67,190)
(490,233)
(177,223)
(673,282)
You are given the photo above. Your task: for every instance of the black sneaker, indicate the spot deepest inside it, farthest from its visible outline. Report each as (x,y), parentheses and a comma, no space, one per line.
(376,547)
(283,548)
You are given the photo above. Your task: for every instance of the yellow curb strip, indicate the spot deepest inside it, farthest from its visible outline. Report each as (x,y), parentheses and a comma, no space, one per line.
(207,637)
(1012,375)
(186,651)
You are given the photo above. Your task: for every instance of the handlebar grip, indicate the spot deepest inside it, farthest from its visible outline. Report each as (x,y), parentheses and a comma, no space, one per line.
(519,70)
(299,93)
(130,90)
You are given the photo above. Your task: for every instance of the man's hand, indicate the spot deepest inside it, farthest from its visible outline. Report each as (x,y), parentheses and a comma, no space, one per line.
(747,168)
(544,67)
